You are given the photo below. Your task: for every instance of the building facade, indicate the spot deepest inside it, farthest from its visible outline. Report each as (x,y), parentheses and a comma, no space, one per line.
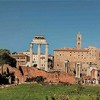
(21,59)
(65,59)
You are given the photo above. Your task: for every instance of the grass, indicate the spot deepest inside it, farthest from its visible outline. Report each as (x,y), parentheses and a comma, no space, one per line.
(39,92)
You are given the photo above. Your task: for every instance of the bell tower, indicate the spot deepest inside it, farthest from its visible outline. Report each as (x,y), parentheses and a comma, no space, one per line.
(79,41)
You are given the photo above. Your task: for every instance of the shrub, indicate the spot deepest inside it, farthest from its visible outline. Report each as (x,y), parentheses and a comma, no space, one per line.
(39,79)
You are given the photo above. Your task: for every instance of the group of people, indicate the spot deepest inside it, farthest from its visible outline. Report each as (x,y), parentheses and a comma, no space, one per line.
(90,81)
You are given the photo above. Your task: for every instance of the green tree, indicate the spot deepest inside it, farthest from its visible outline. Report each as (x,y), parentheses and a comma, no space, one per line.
(2,62)
(5,58)
(4,51)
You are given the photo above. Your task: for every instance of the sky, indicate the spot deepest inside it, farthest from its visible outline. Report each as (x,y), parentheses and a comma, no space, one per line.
(58,20)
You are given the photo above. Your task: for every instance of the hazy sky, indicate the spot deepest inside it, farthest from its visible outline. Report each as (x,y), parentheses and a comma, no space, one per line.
(58,20)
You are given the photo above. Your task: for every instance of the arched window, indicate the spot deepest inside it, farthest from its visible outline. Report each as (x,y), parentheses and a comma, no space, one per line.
(79,38)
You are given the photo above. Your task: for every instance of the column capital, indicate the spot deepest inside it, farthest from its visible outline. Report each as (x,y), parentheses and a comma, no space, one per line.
(39,44)
(47,44)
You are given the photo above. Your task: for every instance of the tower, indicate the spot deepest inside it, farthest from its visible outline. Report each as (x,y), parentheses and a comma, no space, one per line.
(79,41)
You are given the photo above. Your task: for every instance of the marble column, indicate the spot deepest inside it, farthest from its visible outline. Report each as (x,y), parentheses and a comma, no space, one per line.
(31,54)
(46,58)
(66,66)
(39,53)
(78,70)
(96,73)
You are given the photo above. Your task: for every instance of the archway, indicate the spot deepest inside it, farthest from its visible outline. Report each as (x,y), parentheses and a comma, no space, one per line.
(92,71)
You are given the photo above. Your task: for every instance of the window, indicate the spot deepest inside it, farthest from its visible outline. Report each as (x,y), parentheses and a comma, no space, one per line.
(57,64)
(79,38)
(78,44)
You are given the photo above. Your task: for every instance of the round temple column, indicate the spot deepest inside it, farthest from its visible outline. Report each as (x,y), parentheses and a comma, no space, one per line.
(78,70)
(96,74)
(39,52)
(31,54)
(46,58)
(66,66)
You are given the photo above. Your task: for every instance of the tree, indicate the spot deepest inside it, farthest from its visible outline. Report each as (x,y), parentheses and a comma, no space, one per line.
(4,51)
(39,79)
(5,58)
(2,62)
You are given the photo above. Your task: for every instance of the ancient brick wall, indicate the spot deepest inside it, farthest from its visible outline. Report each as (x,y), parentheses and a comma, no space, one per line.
(16,72)
(29,72)
(50,77)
